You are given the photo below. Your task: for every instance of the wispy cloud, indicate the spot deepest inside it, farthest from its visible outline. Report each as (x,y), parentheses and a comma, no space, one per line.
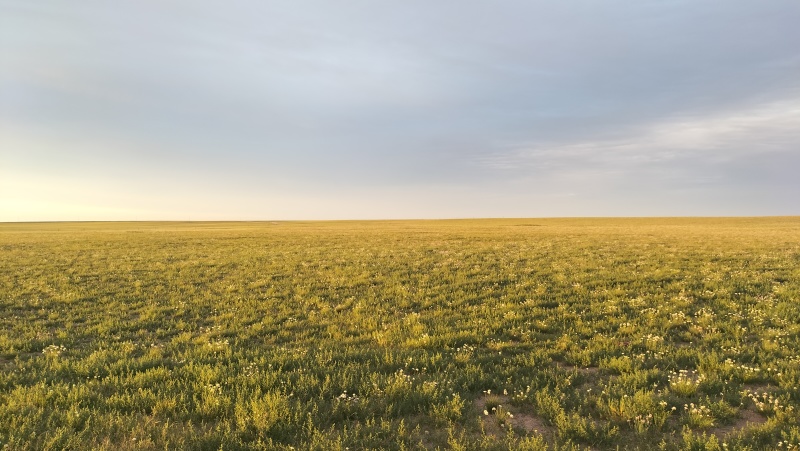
(717,138)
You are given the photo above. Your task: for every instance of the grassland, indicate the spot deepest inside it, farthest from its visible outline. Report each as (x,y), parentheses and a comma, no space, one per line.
(487,334)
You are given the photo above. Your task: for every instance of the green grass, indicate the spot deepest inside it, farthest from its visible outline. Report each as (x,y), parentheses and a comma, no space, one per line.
(672,333)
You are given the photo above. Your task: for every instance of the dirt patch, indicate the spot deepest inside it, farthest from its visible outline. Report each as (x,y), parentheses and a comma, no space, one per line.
(497,414)
(746,418)
(585,371)
(530,423)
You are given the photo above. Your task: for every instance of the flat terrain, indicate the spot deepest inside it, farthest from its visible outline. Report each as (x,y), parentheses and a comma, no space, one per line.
(477,334)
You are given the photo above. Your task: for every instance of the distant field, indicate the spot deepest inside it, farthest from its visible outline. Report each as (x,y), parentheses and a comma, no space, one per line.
(477,334)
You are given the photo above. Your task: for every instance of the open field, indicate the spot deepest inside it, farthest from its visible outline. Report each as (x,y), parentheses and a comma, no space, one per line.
(475,334)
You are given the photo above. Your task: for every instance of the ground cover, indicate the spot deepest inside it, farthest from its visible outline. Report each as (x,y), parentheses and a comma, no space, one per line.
(674,333)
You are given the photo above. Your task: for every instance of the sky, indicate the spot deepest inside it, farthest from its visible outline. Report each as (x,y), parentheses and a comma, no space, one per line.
(365,109)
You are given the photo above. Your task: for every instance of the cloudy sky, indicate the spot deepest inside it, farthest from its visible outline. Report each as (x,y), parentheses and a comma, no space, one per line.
(249,109)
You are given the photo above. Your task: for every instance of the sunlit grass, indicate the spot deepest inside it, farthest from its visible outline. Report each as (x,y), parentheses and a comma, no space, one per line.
(475,334)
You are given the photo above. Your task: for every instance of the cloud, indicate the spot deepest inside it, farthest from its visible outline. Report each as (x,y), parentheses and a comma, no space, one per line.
(713,139)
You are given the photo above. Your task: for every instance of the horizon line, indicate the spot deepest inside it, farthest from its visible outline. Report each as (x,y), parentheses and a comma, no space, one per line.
(84,221)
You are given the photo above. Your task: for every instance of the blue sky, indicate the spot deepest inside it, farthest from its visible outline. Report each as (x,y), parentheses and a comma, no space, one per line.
(397,109)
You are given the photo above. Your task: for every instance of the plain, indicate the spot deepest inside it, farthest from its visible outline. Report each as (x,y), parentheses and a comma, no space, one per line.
(658,333)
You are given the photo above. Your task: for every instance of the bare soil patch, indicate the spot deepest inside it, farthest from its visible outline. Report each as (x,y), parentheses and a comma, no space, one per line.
(746,418)
(519,419)
(591,370)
